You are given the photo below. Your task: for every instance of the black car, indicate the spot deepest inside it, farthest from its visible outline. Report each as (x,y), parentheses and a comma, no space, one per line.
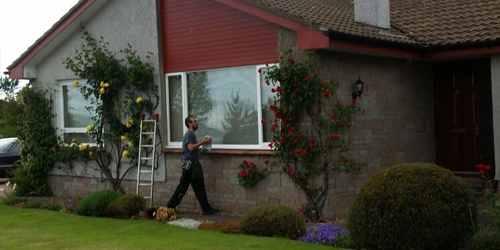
(9,153)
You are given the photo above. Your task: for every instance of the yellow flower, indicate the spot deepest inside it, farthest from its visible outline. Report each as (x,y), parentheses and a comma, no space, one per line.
(91,153)
(131,121)
(139,99)
(151,136)
(128,125)
(125,153)
(102,90)
(82,147)
(89,128)
(73,140)
(123,137)
(102,84)
(95,62)
(106,85)
(130,144)
(75,84)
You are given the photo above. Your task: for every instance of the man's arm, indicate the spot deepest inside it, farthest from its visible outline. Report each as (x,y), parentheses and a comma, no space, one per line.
(195,146)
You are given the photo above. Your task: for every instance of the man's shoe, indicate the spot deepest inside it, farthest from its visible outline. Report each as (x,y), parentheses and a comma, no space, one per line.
(211,212)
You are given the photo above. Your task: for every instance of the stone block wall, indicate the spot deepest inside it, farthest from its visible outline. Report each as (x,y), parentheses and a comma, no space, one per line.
(396,125)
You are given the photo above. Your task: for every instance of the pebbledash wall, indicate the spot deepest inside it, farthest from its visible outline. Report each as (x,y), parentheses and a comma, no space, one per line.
(396,125)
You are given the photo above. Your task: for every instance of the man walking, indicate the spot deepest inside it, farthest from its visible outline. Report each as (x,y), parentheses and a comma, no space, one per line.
(192,172)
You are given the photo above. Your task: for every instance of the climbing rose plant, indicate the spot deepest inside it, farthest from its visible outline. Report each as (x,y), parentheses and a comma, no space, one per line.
(119,91)
(309,129)
(250,174)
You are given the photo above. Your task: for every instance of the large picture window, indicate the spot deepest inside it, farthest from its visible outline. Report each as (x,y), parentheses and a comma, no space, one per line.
(75,114)
(228,103)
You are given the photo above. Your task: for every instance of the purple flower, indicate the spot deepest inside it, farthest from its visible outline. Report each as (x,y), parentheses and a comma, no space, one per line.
(323,234)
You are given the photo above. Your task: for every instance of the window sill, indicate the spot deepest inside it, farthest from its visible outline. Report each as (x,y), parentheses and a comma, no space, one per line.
(224,151)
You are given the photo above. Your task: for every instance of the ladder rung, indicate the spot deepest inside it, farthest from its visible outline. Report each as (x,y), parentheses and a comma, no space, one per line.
(148,120)
(146,158)
(147,197)
(146,171)
(147,146)
(145,184)
(148,133)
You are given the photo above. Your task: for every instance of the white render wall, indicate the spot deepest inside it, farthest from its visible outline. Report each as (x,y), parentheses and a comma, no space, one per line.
(495,92)
(119,22)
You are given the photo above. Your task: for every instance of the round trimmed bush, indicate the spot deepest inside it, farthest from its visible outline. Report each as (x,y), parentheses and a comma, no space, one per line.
(412,206)
(96,203)
(126,206)
(273,221)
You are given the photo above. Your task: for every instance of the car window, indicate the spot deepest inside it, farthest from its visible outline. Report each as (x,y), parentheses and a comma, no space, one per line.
(16,148)
(6,143)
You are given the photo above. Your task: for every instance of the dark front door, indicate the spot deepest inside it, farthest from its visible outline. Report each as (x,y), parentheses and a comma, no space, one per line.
(458,120)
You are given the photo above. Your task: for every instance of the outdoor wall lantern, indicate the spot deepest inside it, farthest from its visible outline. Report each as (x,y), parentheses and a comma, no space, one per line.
(359,86)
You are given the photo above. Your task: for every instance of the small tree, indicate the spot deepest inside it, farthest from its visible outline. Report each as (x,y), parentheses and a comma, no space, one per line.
(309,129)
(119,90)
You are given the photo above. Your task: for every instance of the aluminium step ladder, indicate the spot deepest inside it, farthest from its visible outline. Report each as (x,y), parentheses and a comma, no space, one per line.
(147,158)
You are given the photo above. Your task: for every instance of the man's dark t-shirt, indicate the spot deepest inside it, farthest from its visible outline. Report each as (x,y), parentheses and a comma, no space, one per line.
(189,137)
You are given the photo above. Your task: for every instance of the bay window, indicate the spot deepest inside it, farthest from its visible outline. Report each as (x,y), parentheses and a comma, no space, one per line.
(229,104)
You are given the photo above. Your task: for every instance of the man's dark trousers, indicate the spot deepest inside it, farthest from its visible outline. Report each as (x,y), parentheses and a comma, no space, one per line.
(193,176)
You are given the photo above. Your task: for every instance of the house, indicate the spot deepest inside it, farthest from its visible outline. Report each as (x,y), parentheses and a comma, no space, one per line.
(431,71)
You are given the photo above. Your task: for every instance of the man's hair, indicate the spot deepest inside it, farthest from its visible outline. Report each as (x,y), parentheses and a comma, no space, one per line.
(187,121)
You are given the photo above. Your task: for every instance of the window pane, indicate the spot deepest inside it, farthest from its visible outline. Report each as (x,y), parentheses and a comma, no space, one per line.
(267,114)
(75,113)
(225,103)
(175,106)
(79,137)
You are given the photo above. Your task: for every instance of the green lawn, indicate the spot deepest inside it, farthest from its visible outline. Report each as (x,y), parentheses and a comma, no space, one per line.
(42,229)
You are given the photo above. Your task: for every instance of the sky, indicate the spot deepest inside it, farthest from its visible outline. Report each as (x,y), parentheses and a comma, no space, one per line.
(22,22)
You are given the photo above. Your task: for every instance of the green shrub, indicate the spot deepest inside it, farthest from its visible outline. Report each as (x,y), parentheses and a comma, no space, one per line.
(486,242)
(33,204)
(11,200)
(273,220)
(126,206)
(412,206)
(344,242)
(96,203)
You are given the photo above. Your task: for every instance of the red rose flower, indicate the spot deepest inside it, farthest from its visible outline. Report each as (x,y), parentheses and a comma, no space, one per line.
(260,71)
(243,173)
(262,121)
(278,88)
(327,93)
(267,82)
(332,117)
(307,78)
(282,140)
(294,174)
(273,90)
(487,167)
(481,172)
(270,144)
(288,169)
(266,161)
(354,101)
(480,165)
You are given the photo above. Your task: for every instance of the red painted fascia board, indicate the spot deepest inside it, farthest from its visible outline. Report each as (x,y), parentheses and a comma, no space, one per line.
(372,49)
(307,38)
(462,52)
(16,69)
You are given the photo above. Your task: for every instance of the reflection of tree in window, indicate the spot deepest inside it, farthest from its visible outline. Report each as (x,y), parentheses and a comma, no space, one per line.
(268,116)
(240,122)
(199,96)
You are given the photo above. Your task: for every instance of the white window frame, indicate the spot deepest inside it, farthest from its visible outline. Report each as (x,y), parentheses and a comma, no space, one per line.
(60,113)
(175,144)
